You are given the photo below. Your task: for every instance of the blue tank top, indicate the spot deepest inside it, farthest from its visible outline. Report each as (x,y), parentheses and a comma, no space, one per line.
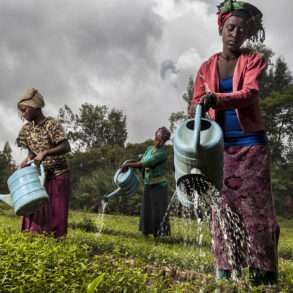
(228,120)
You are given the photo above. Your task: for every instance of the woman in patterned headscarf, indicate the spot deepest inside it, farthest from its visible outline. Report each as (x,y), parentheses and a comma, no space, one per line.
(155,201)
(46,143)
(227,87)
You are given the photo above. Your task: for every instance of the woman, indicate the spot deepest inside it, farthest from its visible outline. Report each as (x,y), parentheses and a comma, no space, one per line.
(227,86)
(153,218)
(46,143)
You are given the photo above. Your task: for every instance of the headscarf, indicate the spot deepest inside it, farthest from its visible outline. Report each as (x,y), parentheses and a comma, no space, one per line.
(31,98)
(243,9)
(163,133)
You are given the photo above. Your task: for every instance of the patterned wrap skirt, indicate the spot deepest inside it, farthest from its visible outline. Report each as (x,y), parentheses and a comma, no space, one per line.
(247,192)
(51,218)
(153,217)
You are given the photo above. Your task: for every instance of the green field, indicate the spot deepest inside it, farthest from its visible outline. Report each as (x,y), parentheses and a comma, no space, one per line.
(120,259)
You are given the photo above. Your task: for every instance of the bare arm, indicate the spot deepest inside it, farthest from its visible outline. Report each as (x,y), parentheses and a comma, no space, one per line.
(135,164)
(60,149)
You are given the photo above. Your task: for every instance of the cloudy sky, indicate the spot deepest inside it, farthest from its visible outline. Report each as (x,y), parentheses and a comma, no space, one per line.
(133,55)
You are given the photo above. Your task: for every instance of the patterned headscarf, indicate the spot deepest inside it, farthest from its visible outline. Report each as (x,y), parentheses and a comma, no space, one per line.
(243,9)
(31,98)
(163,133)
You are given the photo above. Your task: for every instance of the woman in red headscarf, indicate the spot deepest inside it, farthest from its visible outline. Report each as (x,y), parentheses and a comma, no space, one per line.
(227,86)
(153,218)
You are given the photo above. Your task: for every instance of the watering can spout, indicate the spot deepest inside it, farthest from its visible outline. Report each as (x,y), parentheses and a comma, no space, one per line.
(115,193)
(6,198)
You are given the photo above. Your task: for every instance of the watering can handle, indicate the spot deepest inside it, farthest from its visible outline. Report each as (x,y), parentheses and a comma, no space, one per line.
(120,170)
(43,175)
(42,169)
(123,164)
(197,122)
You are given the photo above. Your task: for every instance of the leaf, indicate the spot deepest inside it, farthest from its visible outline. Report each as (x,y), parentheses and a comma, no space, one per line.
(95,283)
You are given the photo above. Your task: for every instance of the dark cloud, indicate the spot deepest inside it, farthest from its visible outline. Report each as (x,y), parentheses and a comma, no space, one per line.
(75,51)
(59,46)
(167,66)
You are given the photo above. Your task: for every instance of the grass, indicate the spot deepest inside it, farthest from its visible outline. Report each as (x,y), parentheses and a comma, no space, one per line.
(120,259)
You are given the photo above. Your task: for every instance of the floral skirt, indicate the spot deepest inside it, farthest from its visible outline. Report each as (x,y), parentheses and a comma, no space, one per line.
(247,193)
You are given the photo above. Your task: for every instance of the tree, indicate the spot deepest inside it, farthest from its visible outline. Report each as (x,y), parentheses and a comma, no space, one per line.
(116,130)
(176,117)
(93,126)
(282,76)
(187,96)
(7,153)
(6,167)
(276,103)
(278,113)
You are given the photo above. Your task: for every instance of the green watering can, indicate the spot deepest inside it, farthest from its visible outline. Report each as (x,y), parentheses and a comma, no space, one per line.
(26,188)
(198,153)
(126,182)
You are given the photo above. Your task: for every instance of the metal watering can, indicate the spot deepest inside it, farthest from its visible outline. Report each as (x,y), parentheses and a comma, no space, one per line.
(198,149)
(26,188)
(127,183)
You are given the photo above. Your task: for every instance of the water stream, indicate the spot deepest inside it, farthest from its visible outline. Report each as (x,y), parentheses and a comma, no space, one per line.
(100,217)
(208,204)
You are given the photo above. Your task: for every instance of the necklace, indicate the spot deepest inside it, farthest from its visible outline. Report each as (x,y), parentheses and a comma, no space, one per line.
(226,58)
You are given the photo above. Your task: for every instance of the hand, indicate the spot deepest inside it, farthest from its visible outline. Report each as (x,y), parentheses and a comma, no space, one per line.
(208,101)
(40,157)
(24,163)
(124,167)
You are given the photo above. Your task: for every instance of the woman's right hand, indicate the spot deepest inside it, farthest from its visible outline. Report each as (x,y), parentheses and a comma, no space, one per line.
(124,167)
(24,163)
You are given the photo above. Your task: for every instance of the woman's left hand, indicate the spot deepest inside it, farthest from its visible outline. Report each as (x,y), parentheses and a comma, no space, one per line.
(40,157)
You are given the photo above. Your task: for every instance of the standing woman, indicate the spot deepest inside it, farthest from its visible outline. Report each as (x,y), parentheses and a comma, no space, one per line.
(153,218)
(46,143)
(227,86)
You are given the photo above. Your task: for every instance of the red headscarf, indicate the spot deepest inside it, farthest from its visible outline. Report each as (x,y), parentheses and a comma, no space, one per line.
(228,8)
(222,17)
